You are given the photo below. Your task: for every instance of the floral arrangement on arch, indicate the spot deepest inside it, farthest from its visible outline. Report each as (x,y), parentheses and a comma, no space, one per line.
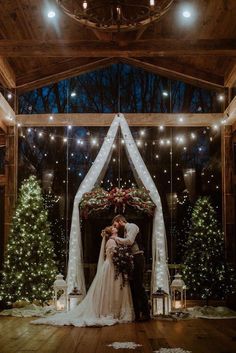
(99,199)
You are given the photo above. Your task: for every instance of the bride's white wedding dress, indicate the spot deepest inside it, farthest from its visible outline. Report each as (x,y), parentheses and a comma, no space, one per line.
(105,304)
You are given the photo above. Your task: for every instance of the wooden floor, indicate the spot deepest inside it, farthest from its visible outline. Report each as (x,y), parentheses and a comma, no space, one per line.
(17,335)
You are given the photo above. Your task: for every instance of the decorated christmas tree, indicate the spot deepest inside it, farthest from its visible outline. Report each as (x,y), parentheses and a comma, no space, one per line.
(206,273)
(29,266)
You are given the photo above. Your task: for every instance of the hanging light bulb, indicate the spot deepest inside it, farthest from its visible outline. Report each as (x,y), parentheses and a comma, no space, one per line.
(118,9)
(85,5)
(152,3)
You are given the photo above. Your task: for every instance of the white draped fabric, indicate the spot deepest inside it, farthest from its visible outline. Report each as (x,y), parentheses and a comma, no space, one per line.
(75,274)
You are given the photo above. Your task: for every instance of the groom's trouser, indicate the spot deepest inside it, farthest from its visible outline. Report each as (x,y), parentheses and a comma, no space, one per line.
(140,300)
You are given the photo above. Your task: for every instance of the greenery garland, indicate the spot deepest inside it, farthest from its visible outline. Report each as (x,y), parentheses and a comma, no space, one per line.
(99,199)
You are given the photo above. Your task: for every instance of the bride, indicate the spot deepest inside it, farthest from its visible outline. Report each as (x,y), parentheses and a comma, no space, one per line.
(107,301)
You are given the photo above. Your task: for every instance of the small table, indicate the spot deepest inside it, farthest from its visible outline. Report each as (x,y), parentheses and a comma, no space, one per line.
(78,296)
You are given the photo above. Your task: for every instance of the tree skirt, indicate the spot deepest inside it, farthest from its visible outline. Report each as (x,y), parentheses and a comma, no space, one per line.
(210,312)
(197,312)
(30,310)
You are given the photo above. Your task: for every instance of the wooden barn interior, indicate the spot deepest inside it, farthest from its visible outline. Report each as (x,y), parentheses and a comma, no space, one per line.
(36,51)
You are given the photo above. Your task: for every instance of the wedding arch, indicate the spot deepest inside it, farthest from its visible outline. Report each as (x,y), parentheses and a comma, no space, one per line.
(160,274)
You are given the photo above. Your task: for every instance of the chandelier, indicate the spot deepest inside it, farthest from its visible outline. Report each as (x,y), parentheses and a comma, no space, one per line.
(115,15)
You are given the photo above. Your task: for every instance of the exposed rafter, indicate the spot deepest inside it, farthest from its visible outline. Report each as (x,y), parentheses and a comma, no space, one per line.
(56,72)
(140,48)
(230,77)
(172,69)
(3,126)
(230,113)
(7,115)
(7,75)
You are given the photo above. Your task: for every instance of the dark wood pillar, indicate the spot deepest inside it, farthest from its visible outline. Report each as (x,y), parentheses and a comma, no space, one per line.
(10,177)
(228,196)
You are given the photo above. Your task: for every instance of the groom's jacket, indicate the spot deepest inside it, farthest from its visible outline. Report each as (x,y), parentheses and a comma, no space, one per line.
(130,233)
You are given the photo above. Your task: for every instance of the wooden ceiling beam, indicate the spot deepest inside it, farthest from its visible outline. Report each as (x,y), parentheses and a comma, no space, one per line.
(230,113)
(7,115)
(96,48)
(3,126)
(230,76)
(7,75)
(174,70)
(143,119)
(57,72)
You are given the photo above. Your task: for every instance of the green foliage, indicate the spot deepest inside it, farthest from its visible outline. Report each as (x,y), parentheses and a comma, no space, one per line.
(29,267)
(205,272)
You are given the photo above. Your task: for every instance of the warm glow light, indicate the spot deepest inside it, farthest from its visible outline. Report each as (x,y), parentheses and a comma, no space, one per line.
(177,304)
(51,117)
(73,94)
(215,127)
(94,141)
(142,132)
(161,127)
(152,2)
(9,96)
(165,93)
(65,139)
(186,14)
(51,14)
(193,136)
(181,119)
(85,5)
(221,97)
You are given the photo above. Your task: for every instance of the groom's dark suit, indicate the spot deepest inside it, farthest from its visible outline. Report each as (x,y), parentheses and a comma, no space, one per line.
(139,296)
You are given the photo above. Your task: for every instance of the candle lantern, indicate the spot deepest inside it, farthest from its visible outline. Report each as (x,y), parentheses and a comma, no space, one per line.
(178,294)
(160,303)
(60,290)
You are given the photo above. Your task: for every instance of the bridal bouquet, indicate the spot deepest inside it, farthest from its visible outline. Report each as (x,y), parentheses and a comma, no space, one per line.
(124,263)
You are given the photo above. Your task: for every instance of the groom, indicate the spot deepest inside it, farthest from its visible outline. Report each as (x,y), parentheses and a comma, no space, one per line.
(139,296)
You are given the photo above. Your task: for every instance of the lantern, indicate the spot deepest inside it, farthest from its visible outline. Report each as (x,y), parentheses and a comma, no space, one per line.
(59,286)
(74,298)
(178,294)
(160,303)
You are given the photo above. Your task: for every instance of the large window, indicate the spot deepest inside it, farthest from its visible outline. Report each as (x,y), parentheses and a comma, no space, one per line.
(184,162)
(120,88)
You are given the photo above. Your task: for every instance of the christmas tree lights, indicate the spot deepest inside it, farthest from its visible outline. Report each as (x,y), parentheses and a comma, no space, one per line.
(29,266)
(206,273)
